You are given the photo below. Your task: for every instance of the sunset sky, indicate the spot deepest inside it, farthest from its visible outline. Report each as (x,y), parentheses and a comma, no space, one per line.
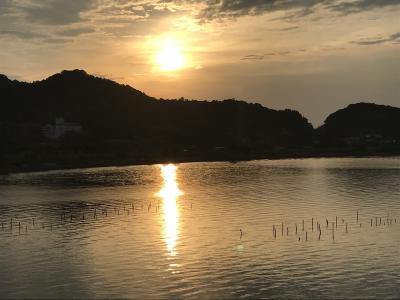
(314,56)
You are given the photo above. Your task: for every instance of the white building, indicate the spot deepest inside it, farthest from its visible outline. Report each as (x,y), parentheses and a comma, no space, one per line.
(54,131)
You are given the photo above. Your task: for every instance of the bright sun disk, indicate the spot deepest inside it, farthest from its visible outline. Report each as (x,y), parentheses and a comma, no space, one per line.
(169,56)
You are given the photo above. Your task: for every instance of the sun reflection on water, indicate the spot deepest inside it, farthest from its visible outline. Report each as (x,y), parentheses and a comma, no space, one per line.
(170,193)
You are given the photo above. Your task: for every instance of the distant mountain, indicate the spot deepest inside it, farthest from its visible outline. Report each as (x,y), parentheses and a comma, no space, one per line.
(120,121)
(362,123)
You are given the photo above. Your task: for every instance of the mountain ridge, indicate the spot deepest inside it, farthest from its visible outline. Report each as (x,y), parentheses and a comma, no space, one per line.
(123,125)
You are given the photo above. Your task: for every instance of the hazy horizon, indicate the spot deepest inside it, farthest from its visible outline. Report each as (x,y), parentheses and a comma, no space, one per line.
(312,56)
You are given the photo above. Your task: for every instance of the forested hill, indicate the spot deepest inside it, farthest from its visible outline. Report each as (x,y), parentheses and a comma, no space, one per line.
(362,124)
(108,110)
(119,124)
(364,118)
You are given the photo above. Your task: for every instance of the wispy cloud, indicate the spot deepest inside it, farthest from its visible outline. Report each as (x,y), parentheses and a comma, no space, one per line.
(252,57)
(395,37)
(71,32)
(348,7)
(238,8)
(22,34)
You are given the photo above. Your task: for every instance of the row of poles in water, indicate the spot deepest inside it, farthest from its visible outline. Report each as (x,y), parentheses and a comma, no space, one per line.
(71,216)
(376,221)
(64,217)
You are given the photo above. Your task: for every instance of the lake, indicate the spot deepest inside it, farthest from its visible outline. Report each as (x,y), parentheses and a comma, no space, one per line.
(204,230)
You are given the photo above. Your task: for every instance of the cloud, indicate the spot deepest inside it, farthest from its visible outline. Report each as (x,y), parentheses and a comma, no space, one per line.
(252,57)
(71,32)
(22,34)
(56,12)
(289,28)
(64,12)
(220,9)
(238,8)
(32,36)
(4,6)
(348,7)
(277,53)
(140,10)
(395,37)
(261,57)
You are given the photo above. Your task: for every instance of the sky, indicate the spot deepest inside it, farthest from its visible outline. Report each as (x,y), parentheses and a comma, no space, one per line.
(314,56)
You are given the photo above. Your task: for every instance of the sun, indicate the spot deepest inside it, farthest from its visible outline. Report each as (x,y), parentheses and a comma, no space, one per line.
(169,56)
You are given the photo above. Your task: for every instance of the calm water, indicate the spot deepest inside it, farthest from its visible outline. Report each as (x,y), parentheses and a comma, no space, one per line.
(141,232)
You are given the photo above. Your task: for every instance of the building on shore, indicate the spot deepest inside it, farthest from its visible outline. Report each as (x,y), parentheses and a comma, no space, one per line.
(59,128)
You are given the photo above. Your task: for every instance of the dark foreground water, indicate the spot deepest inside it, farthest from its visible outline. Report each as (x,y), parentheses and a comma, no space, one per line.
(140,232)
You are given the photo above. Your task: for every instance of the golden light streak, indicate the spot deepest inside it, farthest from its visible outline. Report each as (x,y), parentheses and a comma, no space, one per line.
(170,193)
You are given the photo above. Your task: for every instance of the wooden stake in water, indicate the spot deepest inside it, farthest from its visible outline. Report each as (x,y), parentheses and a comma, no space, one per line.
(357,216)
(312,224)
(319,236)
(346,227)
(296,228)
(303,225)
(287,230)
(306,236)
(333,231)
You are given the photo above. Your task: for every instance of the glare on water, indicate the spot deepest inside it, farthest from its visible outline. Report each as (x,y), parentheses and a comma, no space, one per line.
(169,194)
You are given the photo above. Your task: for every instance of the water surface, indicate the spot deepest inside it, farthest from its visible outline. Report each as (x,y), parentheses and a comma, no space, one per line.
(204,230)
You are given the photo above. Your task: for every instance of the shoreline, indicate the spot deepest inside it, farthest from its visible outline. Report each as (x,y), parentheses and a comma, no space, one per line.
(57,166)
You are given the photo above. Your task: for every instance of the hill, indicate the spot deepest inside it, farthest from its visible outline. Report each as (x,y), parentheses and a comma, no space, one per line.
(362,122)
(121,124)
